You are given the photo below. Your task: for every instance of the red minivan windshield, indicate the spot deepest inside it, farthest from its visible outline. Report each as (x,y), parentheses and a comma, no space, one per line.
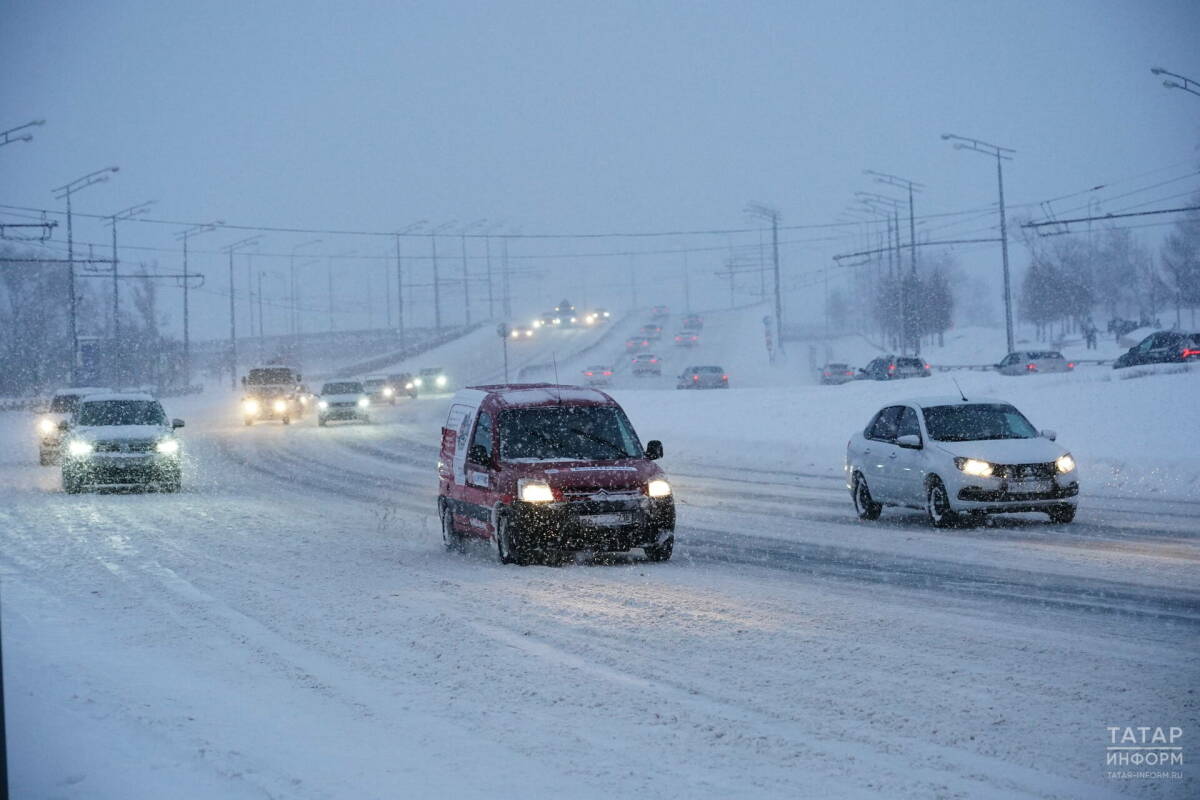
(567,433)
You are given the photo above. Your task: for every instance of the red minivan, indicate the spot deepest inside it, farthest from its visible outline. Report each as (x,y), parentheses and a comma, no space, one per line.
(542,471)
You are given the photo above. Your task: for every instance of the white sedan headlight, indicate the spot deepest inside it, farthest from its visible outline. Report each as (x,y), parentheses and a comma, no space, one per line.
(1065,463)
(419,382)
(658,488)
(46,425)
(168,446)
(363,402)
(441,380)
(79,448)
(410,385)
(280,406)
(534,491)
(321,404)
(388,391)
(973,466)
(250,406)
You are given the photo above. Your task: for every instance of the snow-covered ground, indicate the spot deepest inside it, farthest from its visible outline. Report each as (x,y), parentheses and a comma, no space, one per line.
(289,626)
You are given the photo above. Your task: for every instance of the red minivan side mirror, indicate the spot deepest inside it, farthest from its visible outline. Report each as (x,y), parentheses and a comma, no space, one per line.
(654,449)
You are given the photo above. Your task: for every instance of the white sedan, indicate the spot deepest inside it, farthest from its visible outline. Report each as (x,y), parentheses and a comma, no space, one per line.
(959,460)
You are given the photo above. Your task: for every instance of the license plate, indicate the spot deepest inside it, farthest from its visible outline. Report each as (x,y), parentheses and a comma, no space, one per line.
(1028,487)
(606,520)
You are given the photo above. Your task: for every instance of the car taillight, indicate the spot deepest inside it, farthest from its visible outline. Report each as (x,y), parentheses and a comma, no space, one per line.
(828,374)
(587,373)
(724,377)
(927,368)
(891,367)
(1031,367)
(695,377)
(1070,365)
(1189,353)
(608,372)
(654,361)
(848,372)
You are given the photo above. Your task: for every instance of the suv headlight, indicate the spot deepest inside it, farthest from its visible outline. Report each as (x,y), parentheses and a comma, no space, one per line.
(419,381)
(973,466)
(250,406)
(46,425)
(531,491)
(1064,463)
(167,446)
(658,488)
(441,380)
(79,448)
(280,406)
(388,391)
(363,402)
(322,404)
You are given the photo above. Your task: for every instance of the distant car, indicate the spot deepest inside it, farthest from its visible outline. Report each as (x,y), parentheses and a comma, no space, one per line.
(379,389)
(693,322)
(959,459)
(602,314)
(550,319)
(1034,362)
(636,344)
(600,375)
(520,333)
(703,378)
(687,339)
(1164,347)
(647,364)
(651,331)
(403,383)
(343,400)
(432,379)
(835,372)
(121,440)
(658,312)
(63,406)
(891,367)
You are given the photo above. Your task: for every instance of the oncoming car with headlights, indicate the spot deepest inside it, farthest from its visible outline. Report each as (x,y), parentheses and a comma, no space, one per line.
(959,460)
(63,405)
(120,440)
(432,379)
(272,393)
(541,471)
(343,400)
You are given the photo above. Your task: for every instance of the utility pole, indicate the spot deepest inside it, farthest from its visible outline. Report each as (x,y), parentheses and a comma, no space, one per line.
(127,213)
(966,143)
(230,249)
(437,283)
(184,235)
(906,334)
(687,287)
(329,273)
(507,285)
(466,280)
(65,191)
(400,278)
(772,216)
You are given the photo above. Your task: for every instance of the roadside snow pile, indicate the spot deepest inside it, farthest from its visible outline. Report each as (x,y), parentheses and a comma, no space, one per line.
(1129,436)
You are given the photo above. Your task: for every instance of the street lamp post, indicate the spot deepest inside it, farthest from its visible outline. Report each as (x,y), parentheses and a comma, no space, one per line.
(25,137)
(65,191)
(128,213)
(772,216)
(400,278)
(294,316)
(905,307)
(437,284)
(1188,84)
(462,234)
(965,143)
(183,236)
(230,249)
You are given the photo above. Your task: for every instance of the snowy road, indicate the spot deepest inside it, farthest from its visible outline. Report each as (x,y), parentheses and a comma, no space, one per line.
(288,626)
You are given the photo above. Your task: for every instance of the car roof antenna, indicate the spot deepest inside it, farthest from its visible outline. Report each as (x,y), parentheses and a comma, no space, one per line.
(960,391)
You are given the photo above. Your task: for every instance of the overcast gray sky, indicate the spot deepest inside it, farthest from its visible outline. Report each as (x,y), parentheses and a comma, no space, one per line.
(582,118)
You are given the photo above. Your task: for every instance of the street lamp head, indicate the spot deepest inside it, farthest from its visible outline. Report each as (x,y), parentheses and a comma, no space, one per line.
(1172,85)
(947,136)
(1157,70)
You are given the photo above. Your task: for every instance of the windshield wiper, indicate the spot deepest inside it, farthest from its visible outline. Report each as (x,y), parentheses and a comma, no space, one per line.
(616,448)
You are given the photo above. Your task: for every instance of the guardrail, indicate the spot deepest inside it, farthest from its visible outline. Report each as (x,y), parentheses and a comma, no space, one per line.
(992,367)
